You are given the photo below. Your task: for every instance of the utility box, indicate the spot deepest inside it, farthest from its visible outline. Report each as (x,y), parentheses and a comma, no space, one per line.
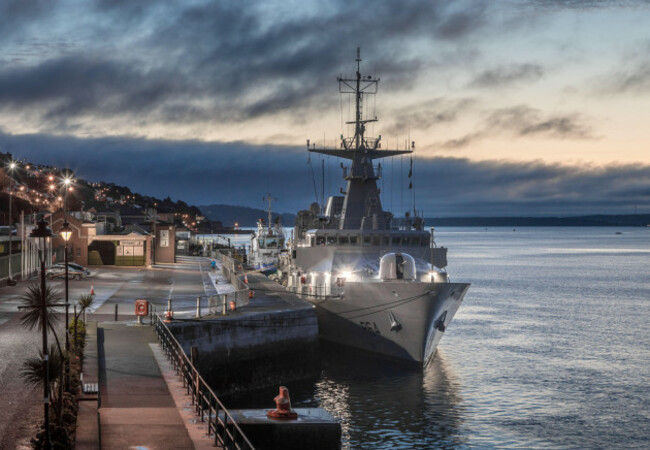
(141,307)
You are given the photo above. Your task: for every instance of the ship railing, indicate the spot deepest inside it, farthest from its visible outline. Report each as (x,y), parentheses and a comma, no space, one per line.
(207,406)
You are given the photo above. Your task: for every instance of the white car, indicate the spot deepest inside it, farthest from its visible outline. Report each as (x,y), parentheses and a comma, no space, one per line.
(75,271)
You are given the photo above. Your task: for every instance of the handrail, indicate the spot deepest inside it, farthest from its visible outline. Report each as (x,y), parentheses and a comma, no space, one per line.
(207,405)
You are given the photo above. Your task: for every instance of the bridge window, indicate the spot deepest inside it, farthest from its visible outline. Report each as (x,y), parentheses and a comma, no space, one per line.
(344,240)
(376,240)
(396,240)
(331,240)
(385,240)
(366,240)
(354,240)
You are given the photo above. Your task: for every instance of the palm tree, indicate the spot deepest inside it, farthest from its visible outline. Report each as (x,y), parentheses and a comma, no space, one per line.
(85,301)
(32,305)
(32,374)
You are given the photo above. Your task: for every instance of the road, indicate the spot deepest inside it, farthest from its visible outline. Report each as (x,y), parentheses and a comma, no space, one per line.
(20,408)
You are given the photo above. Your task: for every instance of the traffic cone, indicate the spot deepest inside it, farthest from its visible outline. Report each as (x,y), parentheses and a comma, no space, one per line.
(169,314)
(246,279)
(92,289)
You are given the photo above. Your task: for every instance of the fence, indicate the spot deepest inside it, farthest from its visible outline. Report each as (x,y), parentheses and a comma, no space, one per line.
(207,406)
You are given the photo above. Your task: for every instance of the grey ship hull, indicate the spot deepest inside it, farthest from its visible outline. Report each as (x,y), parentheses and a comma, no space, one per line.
(396,319)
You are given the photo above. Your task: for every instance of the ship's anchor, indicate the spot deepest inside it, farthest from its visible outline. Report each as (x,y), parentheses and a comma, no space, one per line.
(440,323)
(394,324)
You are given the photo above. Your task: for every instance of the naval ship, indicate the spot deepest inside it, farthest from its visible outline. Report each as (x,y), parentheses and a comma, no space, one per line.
(266,244)
(378,284)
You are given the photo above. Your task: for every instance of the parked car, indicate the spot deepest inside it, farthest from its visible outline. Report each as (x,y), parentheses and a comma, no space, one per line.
(75,271)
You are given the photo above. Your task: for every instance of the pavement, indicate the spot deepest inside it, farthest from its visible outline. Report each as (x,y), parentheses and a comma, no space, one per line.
(142,403)
(135,395)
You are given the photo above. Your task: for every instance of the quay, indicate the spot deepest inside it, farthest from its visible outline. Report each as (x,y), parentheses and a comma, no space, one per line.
(146,400)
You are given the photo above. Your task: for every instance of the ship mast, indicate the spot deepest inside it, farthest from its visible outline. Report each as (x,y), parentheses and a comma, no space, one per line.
(361,205)
(269,199)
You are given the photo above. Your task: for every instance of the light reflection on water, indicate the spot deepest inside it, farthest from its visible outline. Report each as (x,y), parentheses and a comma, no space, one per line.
(550,349)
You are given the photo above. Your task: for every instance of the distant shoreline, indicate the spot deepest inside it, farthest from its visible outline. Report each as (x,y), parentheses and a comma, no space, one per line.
(632,220)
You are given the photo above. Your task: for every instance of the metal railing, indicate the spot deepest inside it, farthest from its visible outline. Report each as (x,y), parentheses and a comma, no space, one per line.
(207,405)
(232,269)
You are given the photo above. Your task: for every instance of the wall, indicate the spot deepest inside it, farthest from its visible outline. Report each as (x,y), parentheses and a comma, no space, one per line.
(242,353)
(165,244)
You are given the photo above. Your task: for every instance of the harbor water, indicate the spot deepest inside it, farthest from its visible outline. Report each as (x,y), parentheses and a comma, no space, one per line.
(551,349)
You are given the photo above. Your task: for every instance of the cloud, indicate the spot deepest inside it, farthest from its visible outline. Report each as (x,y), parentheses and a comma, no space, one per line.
(507,76)
(524,121)
(217,61)
(634,80)
(240,174)
(585,4)
(428,114)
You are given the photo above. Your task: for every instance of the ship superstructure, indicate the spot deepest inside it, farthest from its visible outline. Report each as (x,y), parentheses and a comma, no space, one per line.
(267,243)
(378,285)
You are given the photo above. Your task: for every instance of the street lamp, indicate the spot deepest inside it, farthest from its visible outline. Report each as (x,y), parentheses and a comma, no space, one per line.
(42,233)
(12,167)
(65,233)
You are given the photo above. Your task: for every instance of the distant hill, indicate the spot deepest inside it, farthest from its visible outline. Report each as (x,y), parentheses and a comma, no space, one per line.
(244,216)
(631,220)
(247,217)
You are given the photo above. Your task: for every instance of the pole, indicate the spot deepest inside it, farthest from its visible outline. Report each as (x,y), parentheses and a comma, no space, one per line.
(153,242)
(67,333)
(67,303)
(75,326)
(11,192)
(198,307)
(116,312)
(46,384)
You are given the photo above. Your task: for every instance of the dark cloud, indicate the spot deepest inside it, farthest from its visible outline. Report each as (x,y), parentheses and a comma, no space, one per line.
(585,4)
(224,60)
(524,121)
(507,76)
(71,86)
(16,14)
(235,173)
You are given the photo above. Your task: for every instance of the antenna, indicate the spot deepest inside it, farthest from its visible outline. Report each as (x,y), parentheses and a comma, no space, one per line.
(269,199)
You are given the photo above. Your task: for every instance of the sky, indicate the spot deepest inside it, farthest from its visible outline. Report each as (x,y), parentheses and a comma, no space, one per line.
(516,107)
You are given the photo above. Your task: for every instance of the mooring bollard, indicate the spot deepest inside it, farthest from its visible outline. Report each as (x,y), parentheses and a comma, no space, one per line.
(116,312)
(198,307)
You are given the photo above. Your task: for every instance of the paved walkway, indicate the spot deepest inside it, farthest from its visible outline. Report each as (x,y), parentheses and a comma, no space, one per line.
(136,407)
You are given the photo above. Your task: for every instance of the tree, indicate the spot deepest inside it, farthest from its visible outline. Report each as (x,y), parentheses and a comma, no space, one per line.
(32,305)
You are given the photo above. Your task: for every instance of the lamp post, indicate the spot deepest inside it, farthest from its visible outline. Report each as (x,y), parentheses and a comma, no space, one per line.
(41,233)
(12,167)
(65,233)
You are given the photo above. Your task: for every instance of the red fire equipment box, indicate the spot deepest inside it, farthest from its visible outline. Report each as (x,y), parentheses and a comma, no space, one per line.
(141,307)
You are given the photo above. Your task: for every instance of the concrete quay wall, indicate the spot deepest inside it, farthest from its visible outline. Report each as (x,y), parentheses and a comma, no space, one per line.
(250,351)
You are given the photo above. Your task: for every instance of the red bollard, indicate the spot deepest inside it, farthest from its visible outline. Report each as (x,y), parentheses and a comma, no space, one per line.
(282,406)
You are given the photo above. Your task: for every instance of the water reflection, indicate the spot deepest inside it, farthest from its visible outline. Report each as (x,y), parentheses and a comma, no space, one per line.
(383,405)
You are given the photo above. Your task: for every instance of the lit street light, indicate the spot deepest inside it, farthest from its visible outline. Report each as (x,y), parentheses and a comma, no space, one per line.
(12,167)
(65,233)
(42,233)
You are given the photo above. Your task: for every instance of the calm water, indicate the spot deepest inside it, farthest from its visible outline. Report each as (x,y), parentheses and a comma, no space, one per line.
(551,349)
